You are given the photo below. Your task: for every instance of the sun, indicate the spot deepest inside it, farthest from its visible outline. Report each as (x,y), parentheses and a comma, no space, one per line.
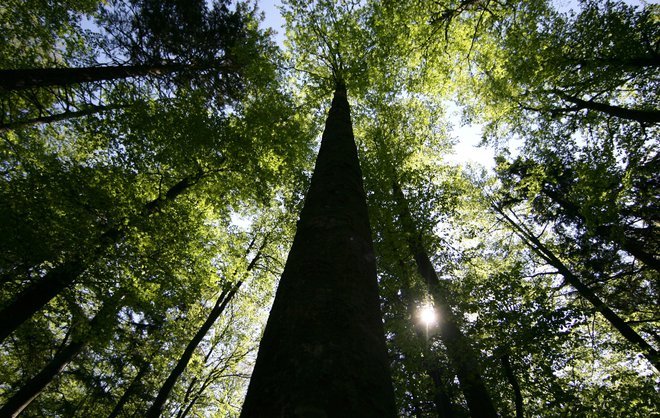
(427,315)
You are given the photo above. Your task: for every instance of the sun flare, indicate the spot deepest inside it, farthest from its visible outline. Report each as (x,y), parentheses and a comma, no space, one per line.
(427,315)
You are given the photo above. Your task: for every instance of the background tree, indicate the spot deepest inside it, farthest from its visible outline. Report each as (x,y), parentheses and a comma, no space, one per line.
(153,188)
(139,201)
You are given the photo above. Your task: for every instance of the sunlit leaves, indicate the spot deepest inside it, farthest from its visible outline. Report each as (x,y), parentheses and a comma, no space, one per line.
(328,42)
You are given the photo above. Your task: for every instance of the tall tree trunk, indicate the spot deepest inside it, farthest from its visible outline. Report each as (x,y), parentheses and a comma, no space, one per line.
(39,293)
(443,404)
(26,394)
(459,349)
(130,390)
(164,392)
(86,111)
(631,246)
(642,116)
(513,381)
(615,320)
(11,80)
(323,350)
(221,303)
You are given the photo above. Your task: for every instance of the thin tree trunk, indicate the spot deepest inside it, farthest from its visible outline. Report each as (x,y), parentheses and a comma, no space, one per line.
(130,390)
(187,401)
(191,402)
(459,349)
(12,80)
(39,293)
(87,111)
(631,246)
(220,305)
(164,392)
(617,322)
(193,382)
(323,350)
(443,405)
(513,381)
(642,116)
(26,394)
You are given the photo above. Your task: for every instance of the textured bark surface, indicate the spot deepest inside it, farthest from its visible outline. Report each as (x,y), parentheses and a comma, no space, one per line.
(323,351)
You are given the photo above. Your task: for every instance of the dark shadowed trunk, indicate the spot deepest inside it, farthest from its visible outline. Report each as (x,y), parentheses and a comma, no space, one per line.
(37,295)
(87,111)
(443,404)
(28,392)
(513,381)
(459,349)
(11,80)
(190,400)
(130,390)
(606,232)
(220,305)
(617,322)
(642,116)
(323,351)
(157,406)
(42,291)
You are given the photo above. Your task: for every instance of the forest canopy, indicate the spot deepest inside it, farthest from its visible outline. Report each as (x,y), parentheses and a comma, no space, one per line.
(163,171)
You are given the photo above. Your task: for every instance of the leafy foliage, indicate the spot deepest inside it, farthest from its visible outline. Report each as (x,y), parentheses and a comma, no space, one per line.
(157,192)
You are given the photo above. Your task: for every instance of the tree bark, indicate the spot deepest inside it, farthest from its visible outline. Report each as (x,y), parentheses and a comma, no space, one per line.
(642,116)
(39,293)
(26,394)
(459,349)
(615,320)
(12,80)
(323,351)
